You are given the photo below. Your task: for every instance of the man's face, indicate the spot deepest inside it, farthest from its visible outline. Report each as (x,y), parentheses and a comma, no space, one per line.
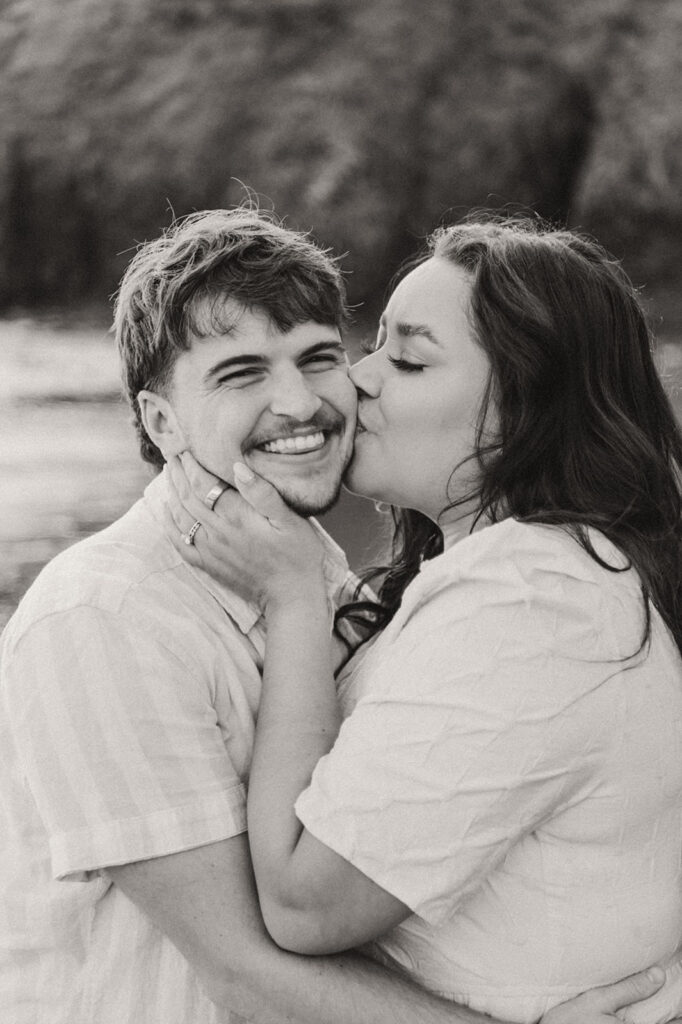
(280,402)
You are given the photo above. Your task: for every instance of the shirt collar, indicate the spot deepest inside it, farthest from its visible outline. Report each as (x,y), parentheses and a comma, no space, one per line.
(244,613)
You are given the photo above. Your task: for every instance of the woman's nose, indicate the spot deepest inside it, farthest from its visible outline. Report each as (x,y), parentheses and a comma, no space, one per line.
(365,375)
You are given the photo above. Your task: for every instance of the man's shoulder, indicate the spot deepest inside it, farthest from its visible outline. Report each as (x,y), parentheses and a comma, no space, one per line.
(105,571)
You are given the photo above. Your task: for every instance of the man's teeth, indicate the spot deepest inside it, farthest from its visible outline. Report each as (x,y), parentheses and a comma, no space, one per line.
(304,443)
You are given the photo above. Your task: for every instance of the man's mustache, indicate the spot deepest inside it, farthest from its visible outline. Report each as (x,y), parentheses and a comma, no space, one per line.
(328,421)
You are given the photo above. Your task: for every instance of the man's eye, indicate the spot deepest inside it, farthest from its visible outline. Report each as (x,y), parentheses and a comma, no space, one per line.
(324,360)
(241,376)
(404,366)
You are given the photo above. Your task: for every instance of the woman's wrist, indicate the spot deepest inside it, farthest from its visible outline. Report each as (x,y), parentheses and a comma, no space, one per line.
(305,593)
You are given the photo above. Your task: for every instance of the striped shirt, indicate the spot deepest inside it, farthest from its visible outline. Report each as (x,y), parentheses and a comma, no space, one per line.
(129,683)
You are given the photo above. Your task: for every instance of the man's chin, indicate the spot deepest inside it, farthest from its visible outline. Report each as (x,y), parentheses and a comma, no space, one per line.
(314,493)
(310,504)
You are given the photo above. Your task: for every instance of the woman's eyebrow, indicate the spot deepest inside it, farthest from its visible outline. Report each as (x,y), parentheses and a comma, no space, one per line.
(406,330)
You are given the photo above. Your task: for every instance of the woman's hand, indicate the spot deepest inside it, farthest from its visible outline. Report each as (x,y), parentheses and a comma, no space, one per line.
(250,540)
(599,1005)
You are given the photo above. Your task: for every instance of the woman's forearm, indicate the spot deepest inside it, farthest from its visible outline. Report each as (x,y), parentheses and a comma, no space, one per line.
(298,722)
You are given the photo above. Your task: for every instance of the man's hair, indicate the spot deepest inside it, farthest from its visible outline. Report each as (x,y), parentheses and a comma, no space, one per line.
(241,255)
(583,432)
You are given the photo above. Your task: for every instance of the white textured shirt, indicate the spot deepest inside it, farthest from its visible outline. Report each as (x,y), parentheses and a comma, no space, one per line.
(511,769)
(129,685)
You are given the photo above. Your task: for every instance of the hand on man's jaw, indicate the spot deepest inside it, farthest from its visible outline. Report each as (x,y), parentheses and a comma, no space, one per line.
(304,462)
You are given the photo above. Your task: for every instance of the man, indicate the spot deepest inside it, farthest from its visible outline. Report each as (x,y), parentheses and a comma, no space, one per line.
(130,681)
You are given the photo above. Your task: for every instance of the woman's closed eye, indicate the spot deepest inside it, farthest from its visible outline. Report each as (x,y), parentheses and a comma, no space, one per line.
(370,346)
(404,366)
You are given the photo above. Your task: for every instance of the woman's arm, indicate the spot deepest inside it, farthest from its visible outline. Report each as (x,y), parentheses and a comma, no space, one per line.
(313,900)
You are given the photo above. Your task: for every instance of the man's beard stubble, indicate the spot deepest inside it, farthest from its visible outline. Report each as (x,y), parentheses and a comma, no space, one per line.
(328,421)
(306,508)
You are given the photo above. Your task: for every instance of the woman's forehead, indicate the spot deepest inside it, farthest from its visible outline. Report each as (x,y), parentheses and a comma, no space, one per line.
(435,294)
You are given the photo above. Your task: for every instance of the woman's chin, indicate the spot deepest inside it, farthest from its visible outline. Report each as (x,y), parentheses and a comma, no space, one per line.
(363,477)
(357,481)
(356,490)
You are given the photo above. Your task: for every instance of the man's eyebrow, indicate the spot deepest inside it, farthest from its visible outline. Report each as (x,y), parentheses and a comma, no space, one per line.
(412,330)
(324,346)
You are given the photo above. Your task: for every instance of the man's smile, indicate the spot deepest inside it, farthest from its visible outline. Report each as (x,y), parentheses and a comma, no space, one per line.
(294,444)
(311,441)
(310,449)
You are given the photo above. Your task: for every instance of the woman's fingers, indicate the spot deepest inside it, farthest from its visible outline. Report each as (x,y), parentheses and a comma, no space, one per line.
(200,480)
(252,541)
(610,998)
(177,535)
(195,485)
(176,486)
(261,494)
(177,478)
(599,1005)
(198,492)
(184,501)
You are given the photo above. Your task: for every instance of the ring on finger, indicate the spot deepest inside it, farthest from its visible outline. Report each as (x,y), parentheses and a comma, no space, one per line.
(189,536)
(211,499)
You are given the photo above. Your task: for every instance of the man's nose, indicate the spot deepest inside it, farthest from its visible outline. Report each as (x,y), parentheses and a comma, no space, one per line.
(292,396)
(366,375)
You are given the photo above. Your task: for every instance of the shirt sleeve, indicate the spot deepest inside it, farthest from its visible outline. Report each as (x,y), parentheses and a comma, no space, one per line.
(119,743)
(482,717)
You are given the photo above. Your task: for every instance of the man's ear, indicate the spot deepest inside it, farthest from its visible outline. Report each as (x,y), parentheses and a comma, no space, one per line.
(161,423)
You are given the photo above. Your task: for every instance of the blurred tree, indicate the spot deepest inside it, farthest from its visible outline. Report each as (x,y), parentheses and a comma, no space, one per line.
(368,121)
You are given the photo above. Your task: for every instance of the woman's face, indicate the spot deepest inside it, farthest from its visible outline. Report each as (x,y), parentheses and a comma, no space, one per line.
(420,392)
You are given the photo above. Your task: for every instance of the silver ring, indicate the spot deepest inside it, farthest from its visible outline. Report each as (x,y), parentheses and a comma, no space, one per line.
(211,498)
(189,536)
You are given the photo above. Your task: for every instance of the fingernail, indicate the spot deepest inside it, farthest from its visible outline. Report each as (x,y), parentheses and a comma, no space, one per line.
(242,473)
(656,975)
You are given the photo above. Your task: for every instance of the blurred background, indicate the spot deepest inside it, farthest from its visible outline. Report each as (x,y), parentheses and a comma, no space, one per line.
(367,122)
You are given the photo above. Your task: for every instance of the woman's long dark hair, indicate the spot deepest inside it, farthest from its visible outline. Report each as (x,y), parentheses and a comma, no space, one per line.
(586,435)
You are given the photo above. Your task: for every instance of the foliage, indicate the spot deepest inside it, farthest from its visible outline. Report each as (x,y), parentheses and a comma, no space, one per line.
(367,120)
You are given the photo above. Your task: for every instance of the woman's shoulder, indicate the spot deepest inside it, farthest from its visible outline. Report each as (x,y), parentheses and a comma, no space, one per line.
(517,542)
(527,559)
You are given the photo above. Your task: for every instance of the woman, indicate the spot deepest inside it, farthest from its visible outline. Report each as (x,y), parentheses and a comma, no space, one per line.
(502,808)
